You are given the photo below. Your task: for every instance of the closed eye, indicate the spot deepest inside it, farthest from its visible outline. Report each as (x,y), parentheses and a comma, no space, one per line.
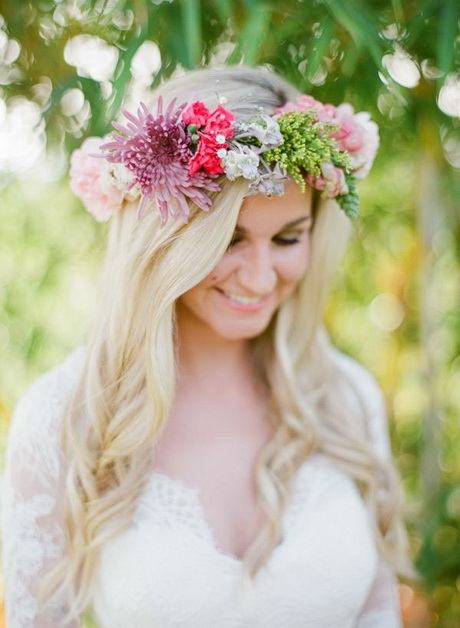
(283,238)
(286,238)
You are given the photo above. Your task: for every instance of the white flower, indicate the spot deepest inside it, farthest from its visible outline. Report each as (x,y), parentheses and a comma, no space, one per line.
(241,164)
(119,176)
(270,182)
(264,129)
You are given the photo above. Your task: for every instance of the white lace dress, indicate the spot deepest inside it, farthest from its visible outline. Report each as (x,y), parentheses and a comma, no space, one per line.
(166,571)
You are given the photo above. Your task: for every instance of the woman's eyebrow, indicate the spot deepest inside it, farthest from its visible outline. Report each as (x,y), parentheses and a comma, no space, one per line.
(299,221)
(289,225)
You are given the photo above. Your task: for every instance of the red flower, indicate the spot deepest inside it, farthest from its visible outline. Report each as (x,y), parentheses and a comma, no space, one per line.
(220,122)
(213,129)
(197,113)
(206,156)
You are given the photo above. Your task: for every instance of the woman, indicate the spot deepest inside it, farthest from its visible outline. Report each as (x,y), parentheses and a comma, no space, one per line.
(209,459)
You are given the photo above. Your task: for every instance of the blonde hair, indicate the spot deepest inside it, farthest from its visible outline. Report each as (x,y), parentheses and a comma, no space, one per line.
(127,386)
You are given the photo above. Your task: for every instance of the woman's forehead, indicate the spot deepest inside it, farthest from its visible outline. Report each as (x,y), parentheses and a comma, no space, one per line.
(292,208)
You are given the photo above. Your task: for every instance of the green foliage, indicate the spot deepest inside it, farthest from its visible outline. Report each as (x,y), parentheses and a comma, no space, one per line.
(48,257)
(374,314)
(439,557)
(330,44)
(307,144)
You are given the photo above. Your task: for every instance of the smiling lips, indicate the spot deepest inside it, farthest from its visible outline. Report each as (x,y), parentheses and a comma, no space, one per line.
(243,303)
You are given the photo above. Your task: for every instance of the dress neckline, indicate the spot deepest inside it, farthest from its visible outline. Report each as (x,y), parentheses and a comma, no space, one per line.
(191,495)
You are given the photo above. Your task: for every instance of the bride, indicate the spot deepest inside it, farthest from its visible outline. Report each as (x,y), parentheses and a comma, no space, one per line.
(209,458)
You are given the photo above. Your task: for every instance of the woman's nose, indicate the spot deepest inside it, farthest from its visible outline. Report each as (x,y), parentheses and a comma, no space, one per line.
(257,272)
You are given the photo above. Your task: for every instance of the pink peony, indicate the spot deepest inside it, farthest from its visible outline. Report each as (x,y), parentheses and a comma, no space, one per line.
(327,113)
(303,103)
(89,181)
(358,135)
(331,181)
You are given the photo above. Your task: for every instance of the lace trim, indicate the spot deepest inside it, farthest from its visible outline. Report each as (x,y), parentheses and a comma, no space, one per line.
(169,502)
(33,536)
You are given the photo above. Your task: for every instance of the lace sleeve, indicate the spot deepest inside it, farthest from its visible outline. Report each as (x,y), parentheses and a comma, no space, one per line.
(381,609)
(33,536)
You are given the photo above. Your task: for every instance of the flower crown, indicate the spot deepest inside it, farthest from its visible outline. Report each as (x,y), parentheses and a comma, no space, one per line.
(179,154)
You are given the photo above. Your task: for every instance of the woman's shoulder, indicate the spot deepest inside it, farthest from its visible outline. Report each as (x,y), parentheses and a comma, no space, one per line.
(55,385)
(361,379)
(367,392)
(39,410)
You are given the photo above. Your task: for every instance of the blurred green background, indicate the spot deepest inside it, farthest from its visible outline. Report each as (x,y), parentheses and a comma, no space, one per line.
(66,67)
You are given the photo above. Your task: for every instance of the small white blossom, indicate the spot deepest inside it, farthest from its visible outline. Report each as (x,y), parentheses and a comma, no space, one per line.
(267,187)
(271,182)
(117,175)
(220,139)
(267,131)
(241,164)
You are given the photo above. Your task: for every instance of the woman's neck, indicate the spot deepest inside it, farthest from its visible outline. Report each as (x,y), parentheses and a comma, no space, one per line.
(206,357)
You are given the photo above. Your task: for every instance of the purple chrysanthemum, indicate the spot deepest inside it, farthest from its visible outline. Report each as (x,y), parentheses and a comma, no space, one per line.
(156,150)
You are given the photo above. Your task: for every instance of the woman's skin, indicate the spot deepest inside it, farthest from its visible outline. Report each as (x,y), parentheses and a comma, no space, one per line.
(219,421)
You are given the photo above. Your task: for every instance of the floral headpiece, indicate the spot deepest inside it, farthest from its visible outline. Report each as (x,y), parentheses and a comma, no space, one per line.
(178,155)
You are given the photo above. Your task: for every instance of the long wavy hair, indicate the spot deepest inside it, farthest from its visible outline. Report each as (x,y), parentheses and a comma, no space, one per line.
(127,385)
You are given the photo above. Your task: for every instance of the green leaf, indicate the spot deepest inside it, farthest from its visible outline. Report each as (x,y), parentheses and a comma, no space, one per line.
(253,35)
(320,46)
(447,33)
(224,9)
(191,26)
(360,23)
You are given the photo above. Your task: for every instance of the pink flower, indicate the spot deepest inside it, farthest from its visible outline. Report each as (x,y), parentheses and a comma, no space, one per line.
(303,103)
(359,136)
(197,113)
(89,181)
(327,113)
(156,150)
(331,181)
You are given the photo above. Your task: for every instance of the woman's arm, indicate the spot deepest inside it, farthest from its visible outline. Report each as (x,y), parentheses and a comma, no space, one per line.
(381,609)
(32,501)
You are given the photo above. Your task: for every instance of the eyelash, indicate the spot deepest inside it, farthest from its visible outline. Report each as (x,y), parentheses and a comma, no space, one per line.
(279,240)
(286,241)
